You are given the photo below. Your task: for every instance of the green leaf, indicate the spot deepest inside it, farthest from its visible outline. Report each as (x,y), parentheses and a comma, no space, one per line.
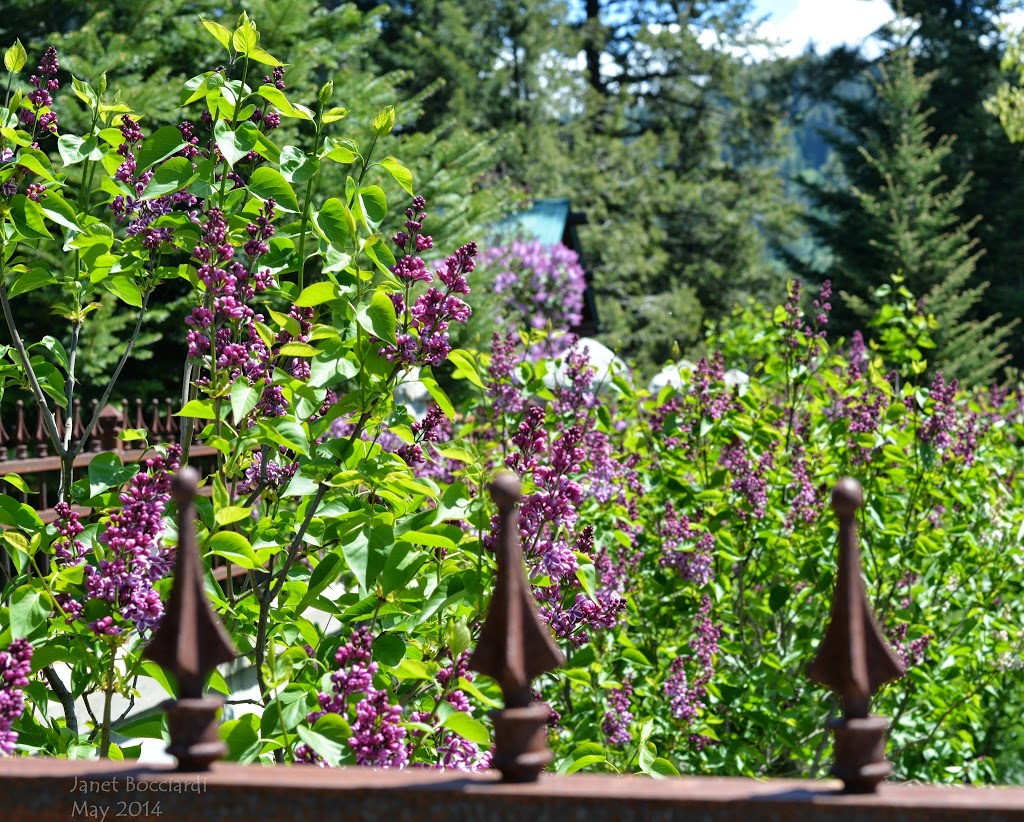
(384,122)
(158,146)
(439,396)
(366,551)
(60,210)
(465,367)
(340,151)
(106,471)
(297,349)
(243,399)
(258,55)
(378,317)
(15,57)
(17,482)
(586,749)
(317,294)
(235,548)
(171,176)
(326,572)
(457,636)
(373,205)
(648,753)
(778,597)
(289,433)
(27,217)
(401,566)
(266,183)
(278,100)
(468,728)
(330,750)
(75,150)
(36,162)
(125,289)
(200,409)
(389,650)
(661,767)
(230,514)
(29,612)
(401,174)
(332,221)
(234,145)
(412,669)
(56,349)
(245,37)
(18,514)
(332,365)
(218,31)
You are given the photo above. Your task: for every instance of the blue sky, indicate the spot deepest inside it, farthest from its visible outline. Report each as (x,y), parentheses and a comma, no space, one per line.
(826,23)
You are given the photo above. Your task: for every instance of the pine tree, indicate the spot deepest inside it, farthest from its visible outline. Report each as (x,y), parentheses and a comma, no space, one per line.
(899,214)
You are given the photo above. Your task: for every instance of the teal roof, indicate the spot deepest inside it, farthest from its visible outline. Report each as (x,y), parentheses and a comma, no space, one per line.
(544,221)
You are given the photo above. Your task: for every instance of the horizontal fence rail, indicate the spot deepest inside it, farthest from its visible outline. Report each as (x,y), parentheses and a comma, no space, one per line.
(27,451)
(62,790)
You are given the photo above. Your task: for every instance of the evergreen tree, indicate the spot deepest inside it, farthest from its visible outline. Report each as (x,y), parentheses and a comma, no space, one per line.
(898,214)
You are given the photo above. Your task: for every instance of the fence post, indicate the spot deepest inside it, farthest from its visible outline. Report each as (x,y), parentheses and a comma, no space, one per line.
(190,642)
(514,648)
(854,659)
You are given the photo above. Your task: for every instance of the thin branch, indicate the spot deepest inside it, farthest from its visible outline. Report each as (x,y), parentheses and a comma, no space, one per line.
(69,386)
(67,701)
(113,378)
(37,390)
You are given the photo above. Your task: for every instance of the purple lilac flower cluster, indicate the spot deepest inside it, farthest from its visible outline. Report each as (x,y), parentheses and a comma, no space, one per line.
(15,669)
(67,548)
(707,398)
(271,476)
(40,117)
(618,716)
(378,737)
(749,478)
(807,499)
(575,393)
(238,347)
(140,214)
(909,653)
(797,331)
(694,565)
(135,559)
(454,753)
(501,383)
(949,429)
(549,515)
(422,337)
(434,427)
(861,404)
(686,697)
(541,285)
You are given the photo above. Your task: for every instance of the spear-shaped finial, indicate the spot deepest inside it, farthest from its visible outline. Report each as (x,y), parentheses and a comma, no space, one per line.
(854,659)
(190,642)
(514,648)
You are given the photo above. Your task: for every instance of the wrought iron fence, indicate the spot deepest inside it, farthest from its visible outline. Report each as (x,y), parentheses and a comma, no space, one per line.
(514,648)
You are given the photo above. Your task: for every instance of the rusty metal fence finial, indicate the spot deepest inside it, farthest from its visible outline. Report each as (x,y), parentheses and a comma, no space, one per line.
(854,659)
(190,642)
(515,647)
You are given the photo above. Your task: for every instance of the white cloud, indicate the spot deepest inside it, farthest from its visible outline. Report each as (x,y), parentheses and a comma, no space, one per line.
(826,24)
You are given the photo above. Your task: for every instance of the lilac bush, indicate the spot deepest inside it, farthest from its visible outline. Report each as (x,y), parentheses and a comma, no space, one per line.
(540,285)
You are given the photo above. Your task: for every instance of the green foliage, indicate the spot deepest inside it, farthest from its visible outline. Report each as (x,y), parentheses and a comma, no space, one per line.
(680,543)
(899,216)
